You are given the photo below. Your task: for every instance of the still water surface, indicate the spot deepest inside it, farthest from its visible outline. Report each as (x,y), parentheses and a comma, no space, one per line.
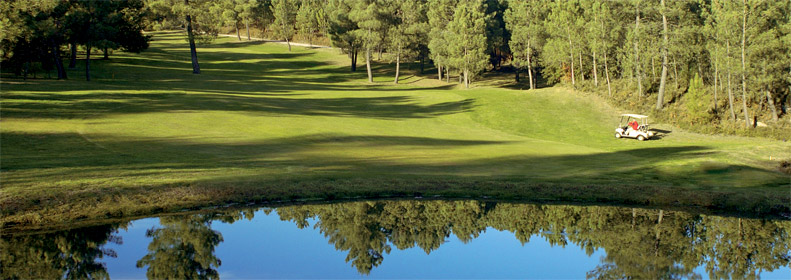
(411,239)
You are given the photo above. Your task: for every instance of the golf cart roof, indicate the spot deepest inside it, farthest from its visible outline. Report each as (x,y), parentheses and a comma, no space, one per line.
(634,116)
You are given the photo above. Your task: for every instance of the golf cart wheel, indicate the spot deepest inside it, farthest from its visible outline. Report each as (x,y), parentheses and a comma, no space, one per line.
(617,135)
(640,138)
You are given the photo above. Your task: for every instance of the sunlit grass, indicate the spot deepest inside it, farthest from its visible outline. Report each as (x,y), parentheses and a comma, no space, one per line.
(263,123)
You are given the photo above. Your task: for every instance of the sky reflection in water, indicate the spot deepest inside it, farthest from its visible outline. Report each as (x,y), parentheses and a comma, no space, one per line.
(391,239)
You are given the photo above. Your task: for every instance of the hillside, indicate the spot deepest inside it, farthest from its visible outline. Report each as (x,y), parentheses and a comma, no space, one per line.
(262,123)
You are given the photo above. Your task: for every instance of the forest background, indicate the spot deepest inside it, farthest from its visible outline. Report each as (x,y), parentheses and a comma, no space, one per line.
(711,66)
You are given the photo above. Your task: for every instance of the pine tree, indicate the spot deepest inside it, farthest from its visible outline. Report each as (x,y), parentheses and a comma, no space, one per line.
(695,100)
(307,19)
(261,15)
(524,21)
(766,51)
(247,13)
(285,17)
(342,29)
(724,20)
(559,51)
(196,15)
(660,96)
(467,39)
(367,15)
(229,10)
(415,22)
(636,35)
(497,36)
(407,29)
(440,14)
(605,33)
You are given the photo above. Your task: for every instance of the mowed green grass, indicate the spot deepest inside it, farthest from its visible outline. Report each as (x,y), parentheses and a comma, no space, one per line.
(262,123)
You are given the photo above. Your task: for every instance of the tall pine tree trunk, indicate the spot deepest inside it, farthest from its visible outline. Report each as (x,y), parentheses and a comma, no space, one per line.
(530,66)
(730,88)
(607,74)
(744,66)
(88,62)
(73,58)
(447,74)
(439,71)
(675,72)
(663,80)
(58,60)
(247,26)
(582,70)
(653,69)
(283,26)
(353,56)
(595,72)
(571,55)
(56,53)
(191,37)
(465,71)
(606,69)
(466,78)
(771,102)
(398,65)
(106,54)
(368,64)
(236,25)
(638,73)
(716,79)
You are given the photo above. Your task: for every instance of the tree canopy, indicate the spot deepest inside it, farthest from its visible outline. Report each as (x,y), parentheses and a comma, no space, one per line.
(739,49)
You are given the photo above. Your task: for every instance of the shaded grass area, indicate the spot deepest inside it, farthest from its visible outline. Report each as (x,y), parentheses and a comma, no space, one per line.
(264,124)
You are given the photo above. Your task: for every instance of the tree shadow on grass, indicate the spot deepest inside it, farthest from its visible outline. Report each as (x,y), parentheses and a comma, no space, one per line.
(262,76)
(36,151)
(65,106)
(54,150)
(42,169)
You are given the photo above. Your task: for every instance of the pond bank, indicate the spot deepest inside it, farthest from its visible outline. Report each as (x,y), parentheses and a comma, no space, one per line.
(64,209)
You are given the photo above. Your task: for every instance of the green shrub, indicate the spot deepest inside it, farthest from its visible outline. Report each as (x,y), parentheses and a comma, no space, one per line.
(697,101)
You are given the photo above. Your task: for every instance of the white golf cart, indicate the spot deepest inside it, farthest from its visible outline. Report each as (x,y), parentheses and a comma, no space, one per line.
(633,126)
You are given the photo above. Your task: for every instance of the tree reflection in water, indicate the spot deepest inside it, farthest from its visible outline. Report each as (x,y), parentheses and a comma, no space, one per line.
(639,243)
(182,248)
(70,254)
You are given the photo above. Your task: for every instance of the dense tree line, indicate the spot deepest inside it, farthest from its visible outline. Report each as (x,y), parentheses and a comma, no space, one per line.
(739,50)
(36,32)
(637,49)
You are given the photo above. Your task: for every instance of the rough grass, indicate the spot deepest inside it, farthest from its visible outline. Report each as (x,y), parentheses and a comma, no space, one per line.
(261,124)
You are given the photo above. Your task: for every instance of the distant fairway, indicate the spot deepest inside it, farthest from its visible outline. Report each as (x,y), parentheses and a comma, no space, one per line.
(261,123)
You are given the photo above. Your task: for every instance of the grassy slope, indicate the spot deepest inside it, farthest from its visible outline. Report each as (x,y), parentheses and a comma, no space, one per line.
(264,123)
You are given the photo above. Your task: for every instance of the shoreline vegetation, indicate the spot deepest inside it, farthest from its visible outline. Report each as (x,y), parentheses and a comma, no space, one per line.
(262,125)
(86,209)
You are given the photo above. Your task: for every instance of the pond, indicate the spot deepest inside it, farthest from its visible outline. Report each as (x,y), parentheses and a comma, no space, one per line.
(410,239)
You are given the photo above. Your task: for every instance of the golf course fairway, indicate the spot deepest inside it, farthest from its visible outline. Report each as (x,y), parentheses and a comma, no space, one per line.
(263,124)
